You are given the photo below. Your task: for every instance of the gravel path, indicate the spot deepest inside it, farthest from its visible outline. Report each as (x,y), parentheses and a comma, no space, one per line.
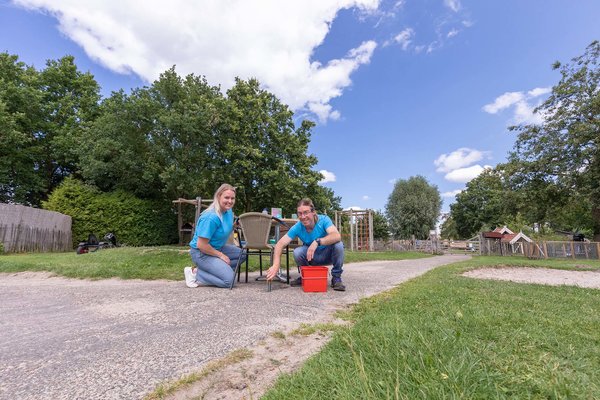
(113,339)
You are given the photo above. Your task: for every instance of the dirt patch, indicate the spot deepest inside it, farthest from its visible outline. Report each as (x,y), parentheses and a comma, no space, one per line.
(543,276)
(251,377)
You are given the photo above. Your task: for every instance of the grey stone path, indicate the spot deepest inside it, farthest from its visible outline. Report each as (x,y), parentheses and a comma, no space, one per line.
(113,339)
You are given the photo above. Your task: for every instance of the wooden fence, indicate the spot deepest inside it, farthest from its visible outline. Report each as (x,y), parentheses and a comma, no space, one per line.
(25,229)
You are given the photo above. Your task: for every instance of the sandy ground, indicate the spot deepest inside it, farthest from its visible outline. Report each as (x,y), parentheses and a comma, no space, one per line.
(543,276)
(112,339)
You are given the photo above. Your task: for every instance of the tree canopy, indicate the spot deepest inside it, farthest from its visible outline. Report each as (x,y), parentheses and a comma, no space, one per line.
(178,137)
(43,116)
(564,149)
(413,208)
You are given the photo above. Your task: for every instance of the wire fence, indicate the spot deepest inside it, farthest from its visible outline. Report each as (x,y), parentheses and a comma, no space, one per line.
(27,229)
(434,246)
(554,249)
(495,247)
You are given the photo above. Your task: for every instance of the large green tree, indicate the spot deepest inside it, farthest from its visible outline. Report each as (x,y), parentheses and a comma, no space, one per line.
(564,149)
(413,208)
(181,137)
(20,116)
(485,203)
(157,142)
(43,117)
(264,154)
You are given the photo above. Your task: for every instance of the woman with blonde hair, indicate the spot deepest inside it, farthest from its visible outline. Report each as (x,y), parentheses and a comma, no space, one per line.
(214,259)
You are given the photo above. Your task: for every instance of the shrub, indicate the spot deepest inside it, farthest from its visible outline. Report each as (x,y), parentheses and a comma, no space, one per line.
(134,221)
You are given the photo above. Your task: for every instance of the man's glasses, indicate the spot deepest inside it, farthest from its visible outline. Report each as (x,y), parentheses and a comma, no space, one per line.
(304,214)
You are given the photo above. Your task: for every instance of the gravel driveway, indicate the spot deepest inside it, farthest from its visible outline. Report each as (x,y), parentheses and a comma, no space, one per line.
(114,339)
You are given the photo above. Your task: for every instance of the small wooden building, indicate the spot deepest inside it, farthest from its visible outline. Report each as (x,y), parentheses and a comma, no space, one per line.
(503,241)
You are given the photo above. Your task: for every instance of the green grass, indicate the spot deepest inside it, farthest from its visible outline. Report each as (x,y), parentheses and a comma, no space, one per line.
(123,262)
(446,336)
(164,262)
(355,256)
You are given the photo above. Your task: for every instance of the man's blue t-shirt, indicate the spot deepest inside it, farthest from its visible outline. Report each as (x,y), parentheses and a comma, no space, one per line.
(213,228)
(319,231)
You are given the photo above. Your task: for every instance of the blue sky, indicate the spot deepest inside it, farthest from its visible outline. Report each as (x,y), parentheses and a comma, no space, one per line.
(398,88)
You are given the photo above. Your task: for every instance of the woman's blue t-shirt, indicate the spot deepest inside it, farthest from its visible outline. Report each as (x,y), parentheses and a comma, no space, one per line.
(216,230)
(319,231)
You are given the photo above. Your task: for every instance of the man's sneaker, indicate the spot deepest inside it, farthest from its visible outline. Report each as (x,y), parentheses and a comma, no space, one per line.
(190,278)
(296,282)
(336,284)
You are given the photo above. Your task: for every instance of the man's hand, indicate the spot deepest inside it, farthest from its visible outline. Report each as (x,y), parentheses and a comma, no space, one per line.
(310,252)
(272,272)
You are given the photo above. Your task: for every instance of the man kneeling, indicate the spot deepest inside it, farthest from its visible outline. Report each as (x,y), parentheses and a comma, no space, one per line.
(322,244)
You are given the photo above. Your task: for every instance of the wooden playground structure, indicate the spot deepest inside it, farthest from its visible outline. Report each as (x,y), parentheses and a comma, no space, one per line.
(356,228)
(186,229)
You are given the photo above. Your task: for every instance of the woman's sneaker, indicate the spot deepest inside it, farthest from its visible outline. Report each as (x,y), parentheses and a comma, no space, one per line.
(190,278)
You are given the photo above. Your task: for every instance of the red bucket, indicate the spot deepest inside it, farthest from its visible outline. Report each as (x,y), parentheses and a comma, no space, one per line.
(314,279)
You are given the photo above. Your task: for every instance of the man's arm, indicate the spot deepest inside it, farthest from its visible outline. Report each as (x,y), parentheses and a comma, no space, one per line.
(332,237)
(281,244)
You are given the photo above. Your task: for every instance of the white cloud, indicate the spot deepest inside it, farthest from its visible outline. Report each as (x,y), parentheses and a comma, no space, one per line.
(365,197)
(327,176)
(452,194)
(355,208)
(454,5)
(393,181)
(504,101)
(271,40)
(521,103)
(523,114)
(404,38)
(539,92)
(452,33)
(458,159)
(464,175)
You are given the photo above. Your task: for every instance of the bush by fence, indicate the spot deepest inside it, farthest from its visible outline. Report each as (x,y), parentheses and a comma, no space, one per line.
(31,229)
(135,222)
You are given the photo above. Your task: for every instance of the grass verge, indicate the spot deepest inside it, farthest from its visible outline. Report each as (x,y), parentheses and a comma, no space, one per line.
(163,262)
(443,335)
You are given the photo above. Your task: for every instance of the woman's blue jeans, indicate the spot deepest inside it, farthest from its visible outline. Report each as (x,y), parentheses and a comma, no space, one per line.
(324,255)
(212,270)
